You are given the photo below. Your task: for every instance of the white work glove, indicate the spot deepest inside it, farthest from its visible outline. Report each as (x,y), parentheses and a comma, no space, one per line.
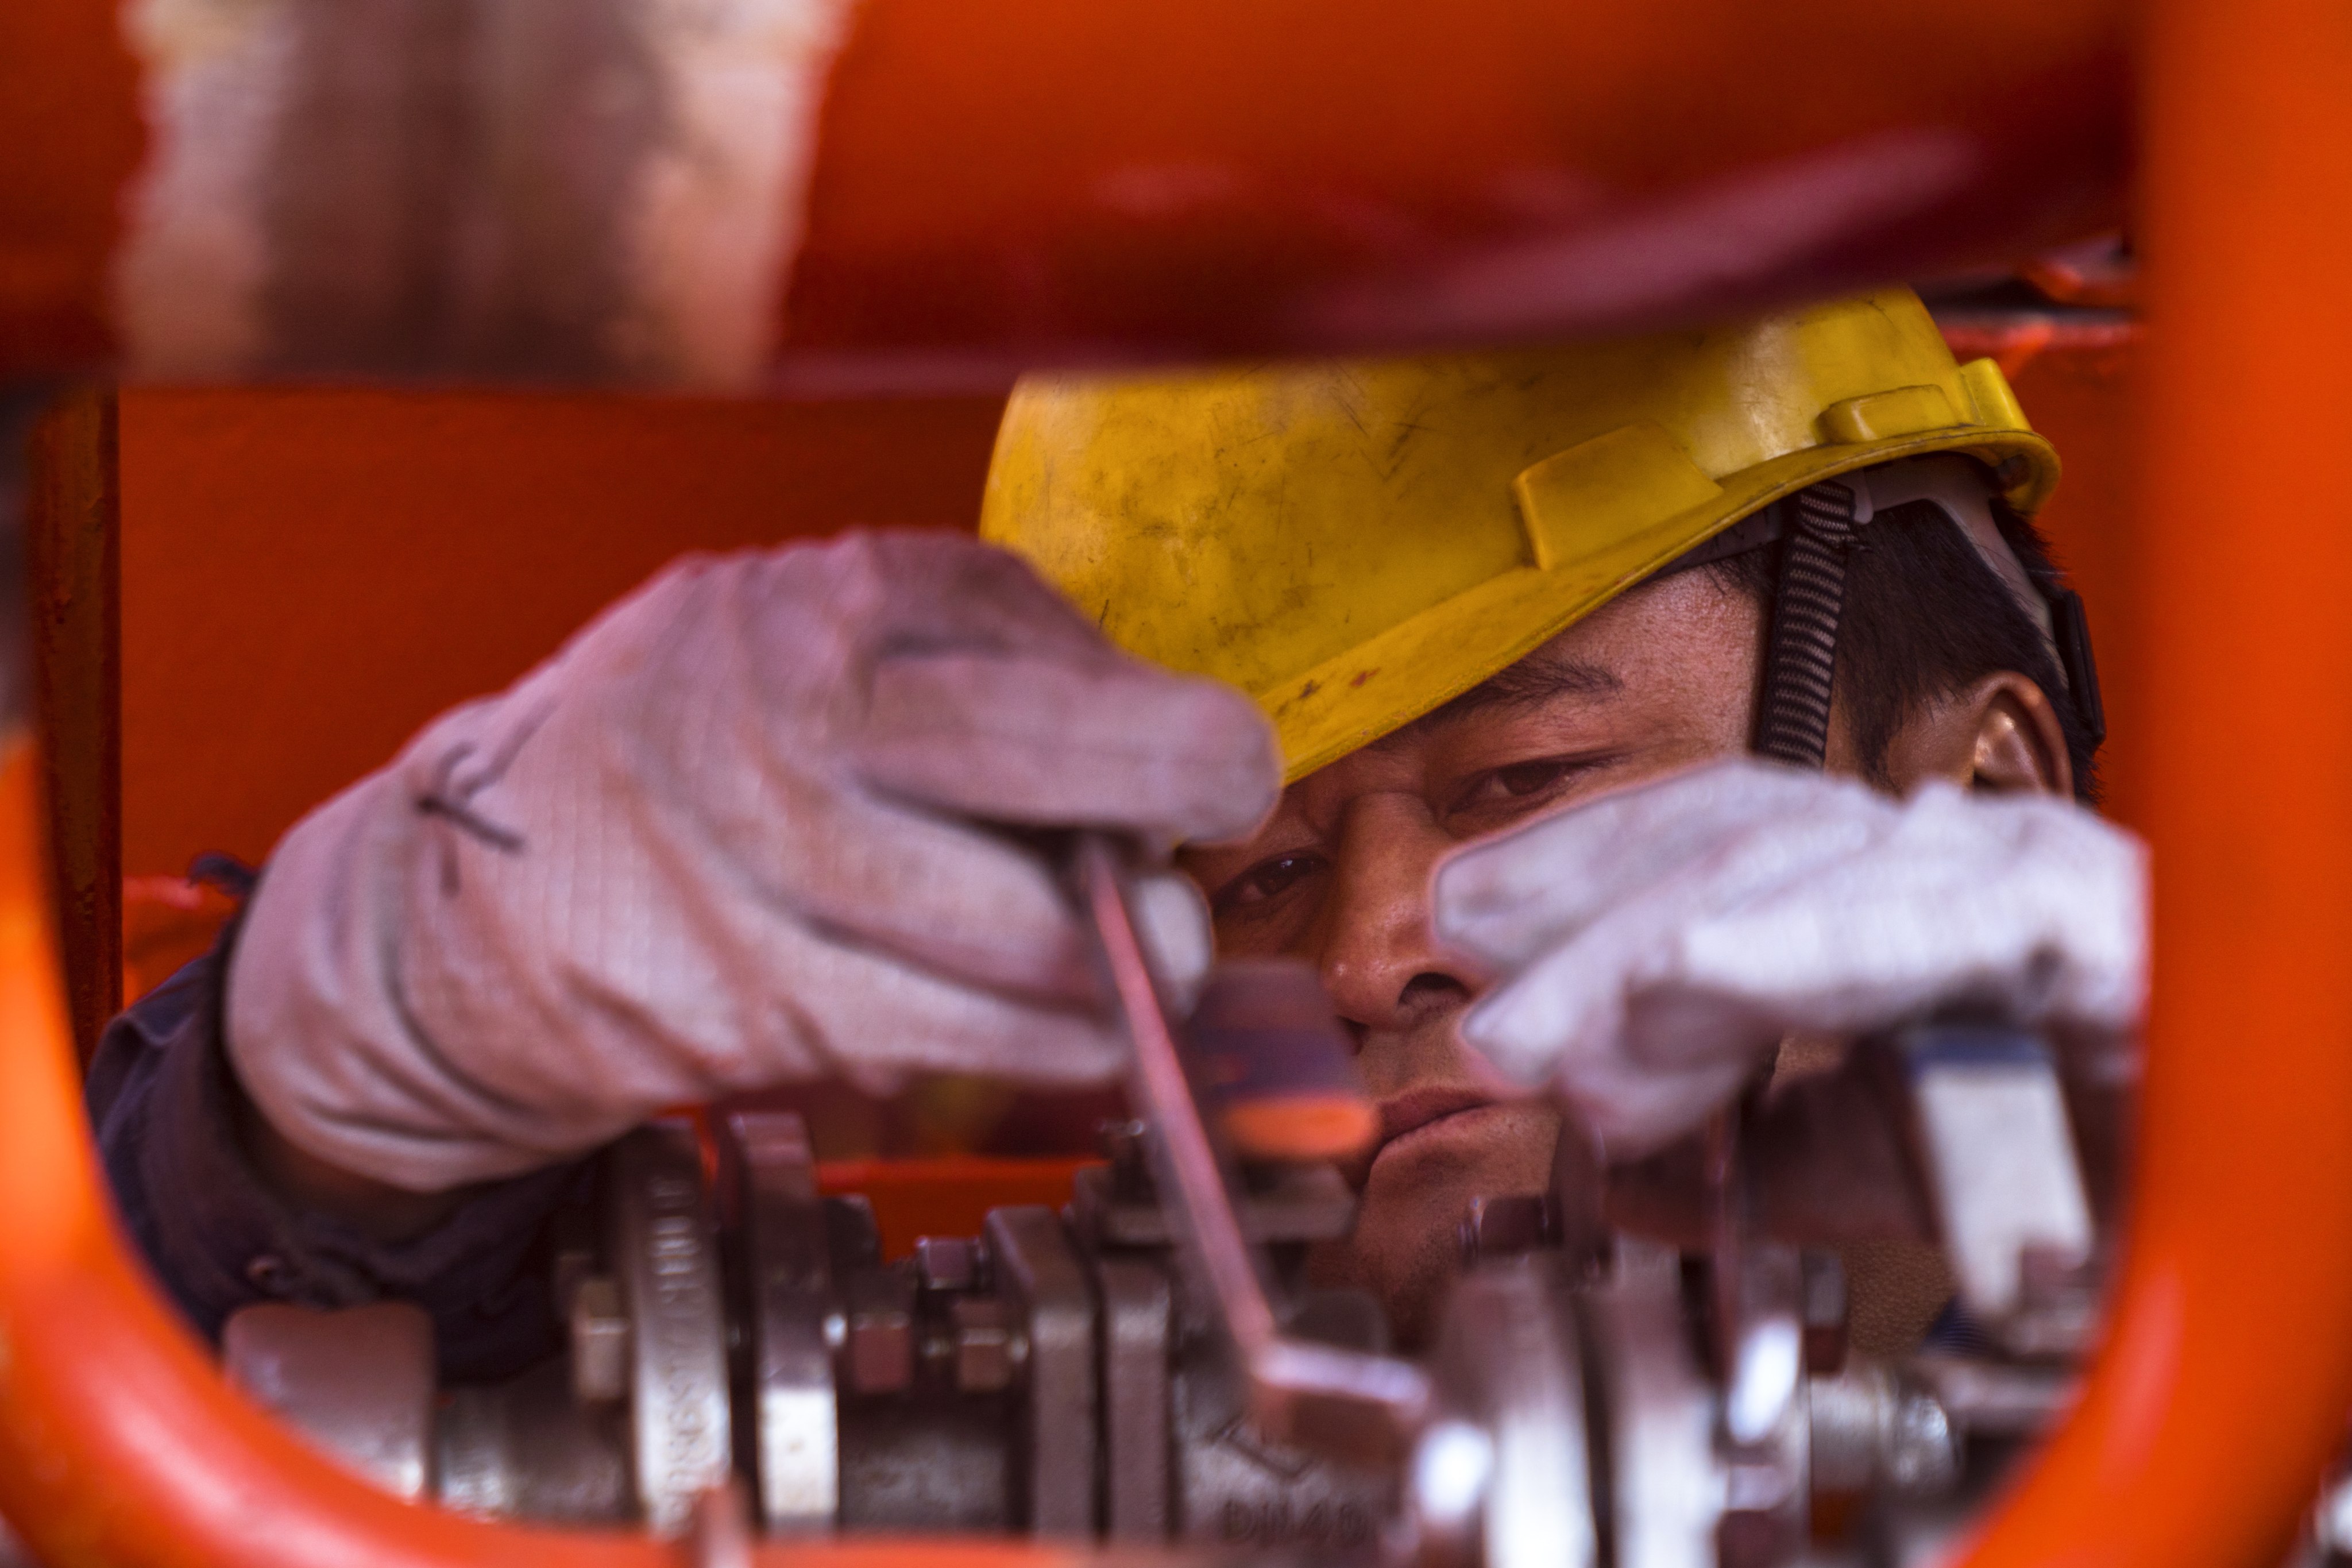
(1655,946)
(757,822)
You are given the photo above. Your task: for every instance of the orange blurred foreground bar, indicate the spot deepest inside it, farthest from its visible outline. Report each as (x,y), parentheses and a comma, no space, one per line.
(1073,178)
(2227,1369)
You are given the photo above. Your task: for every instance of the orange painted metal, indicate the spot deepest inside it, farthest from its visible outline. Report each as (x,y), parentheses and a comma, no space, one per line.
(2228,1370)
(1236,175)
(69,141)
(119,1445)
(1089,179)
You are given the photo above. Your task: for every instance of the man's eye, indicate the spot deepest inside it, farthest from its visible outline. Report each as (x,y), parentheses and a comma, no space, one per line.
(1529,778)
(1267,880)
(1519,786)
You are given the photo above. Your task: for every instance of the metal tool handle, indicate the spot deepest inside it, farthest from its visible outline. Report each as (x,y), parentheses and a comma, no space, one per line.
(1346,1402)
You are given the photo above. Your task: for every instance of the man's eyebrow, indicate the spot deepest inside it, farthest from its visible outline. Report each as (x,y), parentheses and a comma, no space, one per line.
(1530,683)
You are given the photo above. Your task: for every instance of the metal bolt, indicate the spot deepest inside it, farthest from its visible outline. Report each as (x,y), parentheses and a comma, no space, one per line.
(600,1342)
(1922,1457)
(1122,1143)
(878,1354)
(947,1262)
(987,1351)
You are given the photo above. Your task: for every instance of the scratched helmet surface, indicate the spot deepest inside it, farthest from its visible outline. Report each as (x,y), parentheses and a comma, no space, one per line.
(1354,542)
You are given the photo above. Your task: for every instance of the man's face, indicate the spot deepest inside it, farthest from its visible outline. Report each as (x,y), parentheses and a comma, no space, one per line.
(1659,678)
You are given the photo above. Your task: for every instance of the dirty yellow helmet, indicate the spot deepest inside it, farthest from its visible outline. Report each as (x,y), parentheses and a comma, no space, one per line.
(1355,542)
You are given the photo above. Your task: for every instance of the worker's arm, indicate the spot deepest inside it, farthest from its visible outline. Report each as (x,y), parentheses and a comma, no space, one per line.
(1650,949)
(219,1233)
(776,816)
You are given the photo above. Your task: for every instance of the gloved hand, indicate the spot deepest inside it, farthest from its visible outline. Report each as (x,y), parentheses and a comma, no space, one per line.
(759,822)
(1655,946)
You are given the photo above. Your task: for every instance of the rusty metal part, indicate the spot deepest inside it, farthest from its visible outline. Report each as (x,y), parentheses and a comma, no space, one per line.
(1873,1428)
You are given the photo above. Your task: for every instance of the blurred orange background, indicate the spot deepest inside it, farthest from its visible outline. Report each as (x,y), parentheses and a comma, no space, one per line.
(308,574)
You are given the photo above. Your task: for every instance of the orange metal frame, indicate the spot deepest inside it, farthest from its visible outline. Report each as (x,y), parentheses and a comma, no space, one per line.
(119,1442)
(2227,1371)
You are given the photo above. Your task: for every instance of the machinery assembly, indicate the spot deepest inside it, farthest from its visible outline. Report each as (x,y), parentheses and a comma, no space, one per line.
(1150,1365)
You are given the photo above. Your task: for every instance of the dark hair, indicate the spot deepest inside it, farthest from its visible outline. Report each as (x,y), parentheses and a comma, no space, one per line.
(1924,615)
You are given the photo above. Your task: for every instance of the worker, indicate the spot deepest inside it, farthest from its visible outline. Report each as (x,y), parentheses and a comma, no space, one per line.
(1437,672)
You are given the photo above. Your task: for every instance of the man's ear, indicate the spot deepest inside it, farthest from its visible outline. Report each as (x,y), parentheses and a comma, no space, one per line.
(2000,734)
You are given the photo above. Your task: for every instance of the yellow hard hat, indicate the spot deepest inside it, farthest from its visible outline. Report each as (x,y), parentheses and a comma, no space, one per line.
(1353,543)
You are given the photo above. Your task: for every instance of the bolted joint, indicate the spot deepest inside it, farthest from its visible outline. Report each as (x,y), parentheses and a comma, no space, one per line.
(600,1342)
(989,1348)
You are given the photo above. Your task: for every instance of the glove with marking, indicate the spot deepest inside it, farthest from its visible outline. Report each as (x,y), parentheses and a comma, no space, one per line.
(771,818)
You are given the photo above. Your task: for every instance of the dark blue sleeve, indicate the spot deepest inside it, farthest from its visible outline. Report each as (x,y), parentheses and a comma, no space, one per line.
(218,1237)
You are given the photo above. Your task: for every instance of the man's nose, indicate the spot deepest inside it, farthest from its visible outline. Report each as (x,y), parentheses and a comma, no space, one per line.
(1379,958)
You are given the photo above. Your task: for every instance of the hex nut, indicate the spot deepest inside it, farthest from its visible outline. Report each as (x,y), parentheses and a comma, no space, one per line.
(600,1342)
(987,1351)
(947,1262)
(879,1354)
